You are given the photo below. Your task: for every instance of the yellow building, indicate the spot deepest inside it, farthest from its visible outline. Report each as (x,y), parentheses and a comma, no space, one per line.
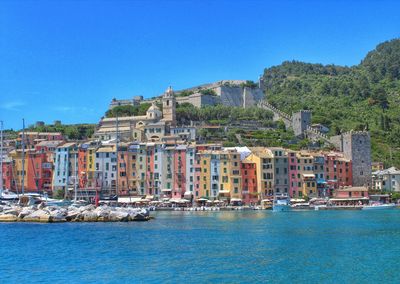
(90,166)
(263,159)
(16,156)
(205,174)
(306,175)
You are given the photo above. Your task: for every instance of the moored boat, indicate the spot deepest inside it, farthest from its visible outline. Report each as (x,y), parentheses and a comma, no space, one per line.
(281,203)
(379,206)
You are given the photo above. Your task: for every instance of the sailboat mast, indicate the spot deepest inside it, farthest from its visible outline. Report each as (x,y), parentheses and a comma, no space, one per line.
(1,157)
(23,157)
(116,178)
(75,166)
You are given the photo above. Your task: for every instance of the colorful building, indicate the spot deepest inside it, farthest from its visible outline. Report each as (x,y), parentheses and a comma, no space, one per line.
(249,180)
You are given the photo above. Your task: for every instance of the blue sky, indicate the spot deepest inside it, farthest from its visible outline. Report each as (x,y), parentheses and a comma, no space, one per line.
(67,59)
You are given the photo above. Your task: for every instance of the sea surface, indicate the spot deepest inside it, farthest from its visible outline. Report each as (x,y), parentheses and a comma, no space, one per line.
(205,247)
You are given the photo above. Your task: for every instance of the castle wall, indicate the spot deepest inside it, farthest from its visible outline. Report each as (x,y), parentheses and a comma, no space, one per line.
(300,121)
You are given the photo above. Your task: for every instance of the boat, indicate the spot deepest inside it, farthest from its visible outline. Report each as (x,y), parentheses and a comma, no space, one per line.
(281,203)
(7,195)
(301,206)
(379,206)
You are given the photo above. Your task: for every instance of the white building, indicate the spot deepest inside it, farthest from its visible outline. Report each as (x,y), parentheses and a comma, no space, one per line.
(386,180)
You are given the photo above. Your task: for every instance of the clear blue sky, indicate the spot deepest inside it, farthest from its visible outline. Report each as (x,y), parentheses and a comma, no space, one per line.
(67,60)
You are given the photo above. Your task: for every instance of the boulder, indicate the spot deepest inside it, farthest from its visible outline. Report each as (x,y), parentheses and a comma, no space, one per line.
(8,218)
(38,216)
(58,216)
(119,216)
(11,211)
(89,216)
(103,213)
(25,212)
(140,215)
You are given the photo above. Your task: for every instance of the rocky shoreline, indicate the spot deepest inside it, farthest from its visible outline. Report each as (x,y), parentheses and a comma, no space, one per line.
(55,214)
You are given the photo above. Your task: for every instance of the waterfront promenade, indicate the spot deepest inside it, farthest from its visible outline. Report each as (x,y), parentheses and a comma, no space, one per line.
(204,247)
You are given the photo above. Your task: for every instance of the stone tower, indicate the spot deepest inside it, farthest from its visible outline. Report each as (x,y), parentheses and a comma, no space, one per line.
(300,121)
(356,146)
(169,106)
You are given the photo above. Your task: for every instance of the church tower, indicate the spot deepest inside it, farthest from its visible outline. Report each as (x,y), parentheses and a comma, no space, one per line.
(169,106)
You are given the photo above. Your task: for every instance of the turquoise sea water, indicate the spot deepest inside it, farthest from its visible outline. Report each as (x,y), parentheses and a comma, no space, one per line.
(177,247)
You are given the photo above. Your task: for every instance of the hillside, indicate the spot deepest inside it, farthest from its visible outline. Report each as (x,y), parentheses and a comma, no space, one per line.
(365,96)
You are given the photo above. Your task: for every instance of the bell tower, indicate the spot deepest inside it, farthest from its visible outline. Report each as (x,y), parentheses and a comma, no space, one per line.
(169,106)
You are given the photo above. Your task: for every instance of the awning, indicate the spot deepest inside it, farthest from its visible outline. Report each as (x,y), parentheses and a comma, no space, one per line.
(218,201)
(188,193)
(131,199)
(202,199)
(150,197)
(166,190)
(236,200)
(179,200)
(349,199)
(224,192)
(309,175)
(297,200)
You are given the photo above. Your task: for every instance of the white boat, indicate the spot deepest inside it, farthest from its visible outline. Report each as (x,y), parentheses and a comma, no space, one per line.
(379,206)
(7,195)
(281,204)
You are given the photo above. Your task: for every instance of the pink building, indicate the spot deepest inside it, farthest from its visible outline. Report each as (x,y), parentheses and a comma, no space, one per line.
(8,175)
(350,196)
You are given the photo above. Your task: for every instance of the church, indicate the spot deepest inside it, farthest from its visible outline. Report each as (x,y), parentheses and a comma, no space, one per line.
(152,127)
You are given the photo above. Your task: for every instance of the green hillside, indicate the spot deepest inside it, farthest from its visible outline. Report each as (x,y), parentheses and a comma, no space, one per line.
(365,96)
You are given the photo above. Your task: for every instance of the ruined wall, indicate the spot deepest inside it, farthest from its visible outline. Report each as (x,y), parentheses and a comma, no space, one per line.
(300,121)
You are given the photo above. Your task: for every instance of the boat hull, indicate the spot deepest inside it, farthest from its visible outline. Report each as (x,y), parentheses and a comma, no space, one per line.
(379,207)
(281,208)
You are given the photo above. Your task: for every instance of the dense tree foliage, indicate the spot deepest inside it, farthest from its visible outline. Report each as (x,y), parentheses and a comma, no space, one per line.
(128,110)
(220,114)
(365,96)
(72,131)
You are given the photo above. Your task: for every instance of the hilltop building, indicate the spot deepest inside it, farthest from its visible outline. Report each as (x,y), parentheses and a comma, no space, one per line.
(235,93)
(150,127)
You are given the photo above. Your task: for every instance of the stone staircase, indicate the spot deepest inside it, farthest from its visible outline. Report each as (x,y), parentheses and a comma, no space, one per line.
(315,134)
(311,133)
(278,114)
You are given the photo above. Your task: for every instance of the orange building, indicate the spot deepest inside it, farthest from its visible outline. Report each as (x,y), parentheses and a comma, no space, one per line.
(338,170)
(249,182)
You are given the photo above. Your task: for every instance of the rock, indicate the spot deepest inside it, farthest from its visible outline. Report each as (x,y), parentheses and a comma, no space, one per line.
(8,218)
(119,216)
(141,215)
(89,216)
(73,214)
(11,212)
(58,216)
(86,208)
(103,214)
(41,205)
(25,212)
(38,216)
